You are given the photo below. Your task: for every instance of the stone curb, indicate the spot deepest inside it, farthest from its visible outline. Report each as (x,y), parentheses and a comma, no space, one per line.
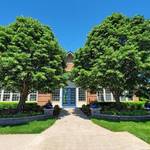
(123,118)
(22,120)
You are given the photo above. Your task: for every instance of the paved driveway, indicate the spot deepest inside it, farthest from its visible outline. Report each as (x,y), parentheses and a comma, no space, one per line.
(73,131)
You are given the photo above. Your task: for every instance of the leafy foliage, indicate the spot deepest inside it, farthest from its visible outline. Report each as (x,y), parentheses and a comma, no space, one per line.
(31,58)
(115,56)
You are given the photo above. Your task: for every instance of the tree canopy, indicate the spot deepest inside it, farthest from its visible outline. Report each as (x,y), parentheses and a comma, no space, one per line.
(116,56)
(31,58)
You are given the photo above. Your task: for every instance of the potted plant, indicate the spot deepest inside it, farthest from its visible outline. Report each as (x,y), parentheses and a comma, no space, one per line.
(147,106)
(48,108)
(95,109)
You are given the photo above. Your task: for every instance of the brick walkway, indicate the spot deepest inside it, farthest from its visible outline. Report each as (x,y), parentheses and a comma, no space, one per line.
(73,131)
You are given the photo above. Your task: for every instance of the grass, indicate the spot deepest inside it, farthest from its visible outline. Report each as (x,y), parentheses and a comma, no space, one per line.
(29,128)
(139,129)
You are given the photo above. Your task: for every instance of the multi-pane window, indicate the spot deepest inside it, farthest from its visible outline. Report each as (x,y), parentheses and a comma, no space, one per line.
(33,96)
(6,96)
(56,95)
(124,96)
(100,95)
(108,95)
(82,94)
(15,96)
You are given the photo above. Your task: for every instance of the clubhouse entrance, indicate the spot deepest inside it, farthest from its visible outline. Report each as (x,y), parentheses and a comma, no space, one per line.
(69,97)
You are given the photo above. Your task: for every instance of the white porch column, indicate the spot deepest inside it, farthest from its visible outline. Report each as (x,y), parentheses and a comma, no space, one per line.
(61,97)
(77,96)
(112,99)
(127,99)
(2,95)
(28,99)
(11,95)
(104,94)
(37,93)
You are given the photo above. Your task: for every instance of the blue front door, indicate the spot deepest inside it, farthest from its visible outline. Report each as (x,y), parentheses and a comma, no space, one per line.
(69,97)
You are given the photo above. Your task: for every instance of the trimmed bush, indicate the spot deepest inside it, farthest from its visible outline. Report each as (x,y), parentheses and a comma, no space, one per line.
(144,99)
(33,107)
(86,109)
(124,105)
(8,109)
(8,105)
(126,113)
(56,110)
(29,106)
(127,108)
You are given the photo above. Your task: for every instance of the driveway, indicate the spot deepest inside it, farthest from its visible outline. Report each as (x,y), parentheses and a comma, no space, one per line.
(74,131)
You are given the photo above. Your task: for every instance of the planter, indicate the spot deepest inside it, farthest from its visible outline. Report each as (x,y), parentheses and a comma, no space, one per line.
(122,118)
(22,120)
(48,111)
(95,111)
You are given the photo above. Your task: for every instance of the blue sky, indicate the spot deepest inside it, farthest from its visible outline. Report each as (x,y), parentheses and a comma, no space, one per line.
(71,20)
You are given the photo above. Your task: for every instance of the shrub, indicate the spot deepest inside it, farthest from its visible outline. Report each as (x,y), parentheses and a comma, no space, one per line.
(144,99)
(124,105)
(56,110)
(134,105)
(126,113)
(33,107)
(86,109)
(10,107)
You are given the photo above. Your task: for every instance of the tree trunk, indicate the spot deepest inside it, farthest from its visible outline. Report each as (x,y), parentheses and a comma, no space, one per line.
(117,99)
(23,97)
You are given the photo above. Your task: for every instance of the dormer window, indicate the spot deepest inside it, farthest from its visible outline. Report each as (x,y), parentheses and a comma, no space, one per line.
(69,58)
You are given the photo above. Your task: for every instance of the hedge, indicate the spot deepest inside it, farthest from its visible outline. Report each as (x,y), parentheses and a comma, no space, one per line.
(13,105)
(130,105)
(126,107)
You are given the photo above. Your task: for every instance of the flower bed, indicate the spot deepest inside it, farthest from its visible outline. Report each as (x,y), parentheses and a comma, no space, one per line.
(130,111)
(123,117)
(31,112)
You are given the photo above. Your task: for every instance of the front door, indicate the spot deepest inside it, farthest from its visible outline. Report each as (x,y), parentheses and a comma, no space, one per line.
(69,97)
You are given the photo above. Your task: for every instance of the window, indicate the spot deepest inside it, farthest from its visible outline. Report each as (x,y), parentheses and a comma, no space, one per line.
(108,95)
(33,96)
(56,95)
(100,95)
(15,96)
(6,96)
(81,94)
(124,96)
(9,96)
(69,58)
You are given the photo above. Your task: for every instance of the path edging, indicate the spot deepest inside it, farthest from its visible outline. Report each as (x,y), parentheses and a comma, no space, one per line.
(122,118)
(22,120)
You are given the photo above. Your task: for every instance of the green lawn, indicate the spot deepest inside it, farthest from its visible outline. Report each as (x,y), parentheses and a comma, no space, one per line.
(139,129)
(31,127)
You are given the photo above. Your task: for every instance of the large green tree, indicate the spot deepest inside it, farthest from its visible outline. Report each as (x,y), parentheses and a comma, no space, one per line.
(31,58)
(115,55)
